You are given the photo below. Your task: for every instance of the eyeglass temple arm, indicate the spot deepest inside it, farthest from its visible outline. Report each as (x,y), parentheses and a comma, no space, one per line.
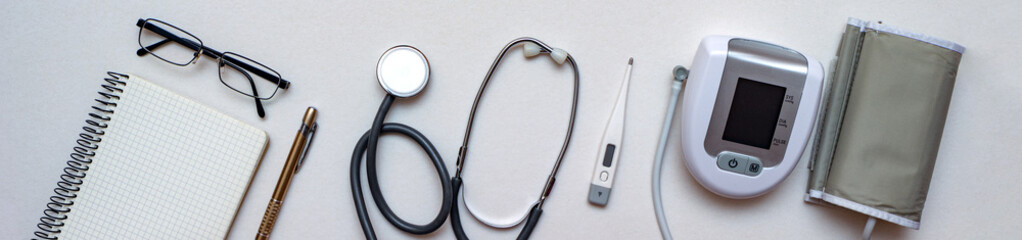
(255,92)
(284,84)
(143,51)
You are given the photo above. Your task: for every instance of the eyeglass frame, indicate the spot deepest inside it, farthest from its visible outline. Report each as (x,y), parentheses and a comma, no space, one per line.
(202,49)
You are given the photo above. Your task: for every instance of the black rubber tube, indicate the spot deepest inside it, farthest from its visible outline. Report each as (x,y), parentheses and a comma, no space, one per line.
(459,231)
(367,146)
(530,224)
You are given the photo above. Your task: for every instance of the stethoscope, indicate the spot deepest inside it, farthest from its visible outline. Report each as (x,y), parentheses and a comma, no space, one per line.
(403,71)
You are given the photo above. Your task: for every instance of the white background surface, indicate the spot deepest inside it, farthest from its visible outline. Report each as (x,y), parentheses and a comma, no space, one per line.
(54,56)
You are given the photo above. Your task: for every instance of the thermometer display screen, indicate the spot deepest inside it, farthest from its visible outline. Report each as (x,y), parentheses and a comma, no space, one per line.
(755,108)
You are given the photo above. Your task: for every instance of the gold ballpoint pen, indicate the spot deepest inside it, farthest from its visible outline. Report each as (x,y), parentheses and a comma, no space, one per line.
(294,162)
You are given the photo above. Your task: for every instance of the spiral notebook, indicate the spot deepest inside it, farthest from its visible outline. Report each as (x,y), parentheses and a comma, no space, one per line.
(152,164)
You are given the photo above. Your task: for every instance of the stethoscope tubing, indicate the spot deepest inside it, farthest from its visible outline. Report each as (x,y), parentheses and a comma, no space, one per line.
(367,146)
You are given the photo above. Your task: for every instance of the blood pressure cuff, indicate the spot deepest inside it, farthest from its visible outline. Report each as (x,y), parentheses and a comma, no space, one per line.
(881,122)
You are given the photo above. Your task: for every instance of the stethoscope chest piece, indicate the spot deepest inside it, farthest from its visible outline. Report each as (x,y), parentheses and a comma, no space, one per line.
(403,71)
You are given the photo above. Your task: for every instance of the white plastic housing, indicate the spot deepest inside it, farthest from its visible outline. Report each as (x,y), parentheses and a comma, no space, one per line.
(699,98)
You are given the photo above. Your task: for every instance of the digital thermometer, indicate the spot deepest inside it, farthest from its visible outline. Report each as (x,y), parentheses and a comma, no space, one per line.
(610,146)
(747,114)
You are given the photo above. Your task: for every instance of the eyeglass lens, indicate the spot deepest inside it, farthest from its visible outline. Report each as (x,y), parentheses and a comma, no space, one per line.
(243,75)
(166,48)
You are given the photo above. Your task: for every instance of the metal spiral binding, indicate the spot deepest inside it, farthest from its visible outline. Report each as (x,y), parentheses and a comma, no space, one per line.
(67,188)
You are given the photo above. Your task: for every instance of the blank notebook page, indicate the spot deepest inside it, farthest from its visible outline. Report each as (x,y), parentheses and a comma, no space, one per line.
(168,167)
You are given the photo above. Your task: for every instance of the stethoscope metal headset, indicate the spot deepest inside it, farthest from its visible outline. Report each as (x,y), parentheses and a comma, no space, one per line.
(532,47)
(403,71)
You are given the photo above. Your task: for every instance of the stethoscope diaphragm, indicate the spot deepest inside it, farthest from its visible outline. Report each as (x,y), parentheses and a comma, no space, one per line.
(403,71)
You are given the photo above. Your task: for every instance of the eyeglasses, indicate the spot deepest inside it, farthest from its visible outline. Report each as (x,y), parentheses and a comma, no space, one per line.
(236,71)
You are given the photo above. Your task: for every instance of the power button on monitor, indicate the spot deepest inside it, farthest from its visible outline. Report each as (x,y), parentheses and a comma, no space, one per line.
(732,162)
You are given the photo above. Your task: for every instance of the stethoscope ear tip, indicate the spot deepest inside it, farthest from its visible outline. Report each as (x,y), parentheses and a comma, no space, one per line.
(532,49)
(559,55)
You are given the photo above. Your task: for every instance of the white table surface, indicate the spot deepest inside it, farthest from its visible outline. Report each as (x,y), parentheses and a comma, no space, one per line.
(54,55)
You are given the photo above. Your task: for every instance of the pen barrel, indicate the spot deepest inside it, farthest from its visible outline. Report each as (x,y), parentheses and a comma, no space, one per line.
(269,219)
(290,167)
(294,159)
(286,175)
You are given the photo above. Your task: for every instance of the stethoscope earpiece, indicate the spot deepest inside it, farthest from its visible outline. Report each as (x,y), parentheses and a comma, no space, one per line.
(533,49)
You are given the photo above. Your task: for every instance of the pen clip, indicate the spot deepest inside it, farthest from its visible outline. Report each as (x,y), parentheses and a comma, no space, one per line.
(311,132)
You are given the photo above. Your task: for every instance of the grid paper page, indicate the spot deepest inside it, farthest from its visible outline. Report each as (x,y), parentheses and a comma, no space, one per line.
(167,168)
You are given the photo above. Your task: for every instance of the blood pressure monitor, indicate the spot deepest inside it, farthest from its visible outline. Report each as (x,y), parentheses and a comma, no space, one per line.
(747,114)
